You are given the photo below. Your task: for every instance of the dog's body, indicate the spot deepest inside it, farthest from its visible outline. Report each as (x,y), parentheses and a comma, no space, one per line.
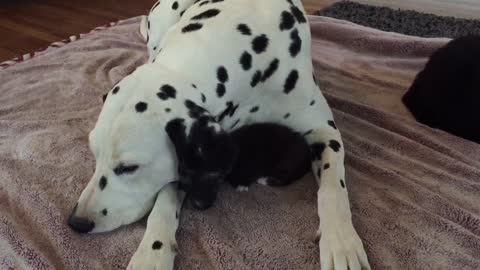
(216,65)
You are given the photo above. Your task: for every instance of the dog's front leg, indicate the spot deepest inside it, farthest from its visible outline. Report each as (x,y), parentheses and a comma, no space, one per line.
(158,247)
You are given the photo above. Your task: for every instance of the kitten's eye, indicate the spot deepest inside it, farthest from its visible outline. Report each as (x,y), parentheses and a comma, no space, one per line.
(125,169)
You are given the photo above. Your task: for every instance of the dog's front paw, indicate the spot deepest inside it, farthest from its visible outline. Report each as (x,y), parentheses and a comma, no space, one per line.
(341,248)
(154,255)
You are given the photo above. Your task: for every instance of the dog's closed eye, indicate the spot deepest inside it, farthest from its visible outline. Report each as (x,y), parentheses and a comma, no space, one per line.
(125,169)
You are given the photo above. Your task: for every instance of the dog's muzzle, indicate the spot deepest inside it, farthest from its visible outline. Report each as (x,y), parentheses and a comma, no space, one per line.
(80,224)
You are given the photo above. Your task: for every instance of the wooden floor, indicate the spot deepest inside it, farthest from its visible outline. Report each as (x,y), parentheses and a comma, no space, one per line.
(27,25)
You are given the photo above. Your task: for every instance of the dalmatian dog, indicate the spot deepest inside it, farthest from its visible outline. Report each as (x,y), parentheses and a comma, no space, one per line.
(213,66)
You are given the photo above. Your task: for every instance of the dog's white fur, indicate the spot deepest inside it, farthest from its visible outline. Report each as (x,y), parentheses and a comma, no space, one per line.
(123,135)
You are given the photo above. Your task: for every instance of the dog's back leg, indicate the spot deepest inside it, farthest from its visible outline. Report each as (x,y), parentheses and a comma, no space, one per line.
(309,113)
(162,16)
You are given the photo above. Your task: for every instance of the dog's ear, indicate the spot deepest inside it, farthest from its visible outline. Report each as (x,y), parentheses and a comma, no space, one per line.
(176,131)
(144,26)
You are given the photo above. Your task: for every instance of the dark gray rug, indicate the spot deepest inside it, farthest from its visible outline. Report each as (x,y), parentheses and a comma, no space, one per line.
(407,22)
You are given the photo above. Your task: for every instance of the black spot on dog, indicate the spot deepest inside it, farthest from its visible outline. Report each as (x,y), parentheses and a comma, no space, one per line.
(104,97)
(246,60)
(103,182)
(287,21)
(175,5)
(207,14)
(141,107)
(257,76)
(290,1)
(244,29)
(194,86)
(148,37)
(326,166)
(270,70)
(260,43)
(233,110)
(335,145)
(204,98)
(181,13)
(155,48)
(216,1)
(195,111)
(166,92)
(332,124)
(342,183)
(115,90)
(298,14)
(235,124)
(312,103)
(287,115)
(176,214)
(225,112)
(254,109)
(221,90)
(222,74)
(203,3)
(308,132)
(192,27)
(229,110)
(290,82)
(296,44)
(317,150)
(319,173)
(157,244)
(104,211)
(314,79)
(167,110)
(148,24)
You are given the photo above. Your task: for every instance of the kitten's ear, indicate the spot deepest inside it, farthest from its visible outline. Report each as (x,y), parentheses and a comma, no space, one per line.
(176,131)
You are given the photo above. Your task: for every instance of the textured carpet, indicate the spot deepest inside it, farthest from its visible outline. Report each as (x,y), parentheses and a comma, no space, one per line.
(407,22)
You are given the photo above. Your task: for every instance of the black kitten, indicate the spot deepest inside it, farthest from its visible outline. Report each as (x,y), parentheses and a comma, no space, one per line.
(271,153)
(205,157)
(446,93)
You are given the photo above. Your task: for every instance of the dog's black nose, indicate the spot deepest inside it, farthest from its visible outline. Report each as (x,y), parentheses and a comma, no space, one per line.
(80,224)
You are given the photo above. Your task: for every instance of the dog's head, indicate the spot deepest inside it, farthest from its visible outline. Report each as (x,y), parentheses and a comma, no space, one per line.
(149,119)
(134,155)
(206,155)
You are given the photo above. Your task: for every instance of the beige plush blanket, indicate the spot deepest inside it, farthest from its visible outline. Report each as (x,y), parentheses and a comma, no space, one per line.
(415,191)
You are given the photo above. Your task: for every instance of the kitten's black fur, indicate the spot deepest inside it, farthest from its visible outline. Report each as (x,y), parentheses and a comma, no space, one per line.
(446,93)
(207,158)
(269,150)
